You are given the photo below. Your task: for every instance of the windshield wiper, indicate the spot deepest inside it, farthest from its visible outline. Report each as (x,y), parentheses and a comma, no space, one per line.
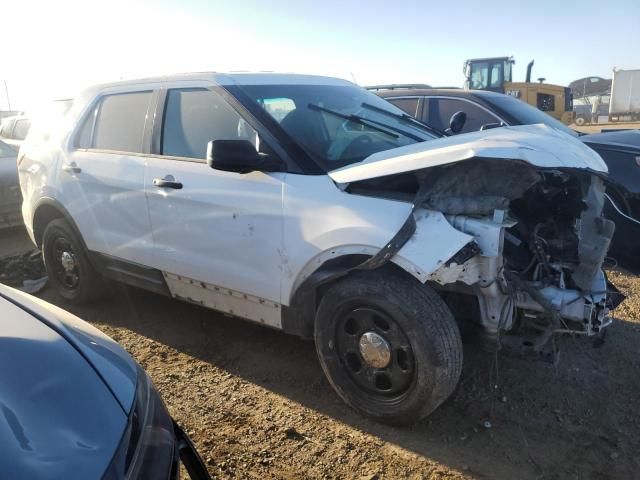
(405,117)
(355,119)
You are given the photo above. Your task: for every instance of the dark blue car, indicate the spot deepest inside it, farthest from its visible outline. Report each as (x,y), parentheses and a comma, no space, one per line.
(75,405)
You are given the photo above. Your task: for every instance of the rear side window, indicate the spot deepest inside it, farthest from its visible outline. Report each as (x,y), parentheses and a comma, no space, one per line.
(21,129)
(440,110)
(119,123)
(408,105)
(194,117)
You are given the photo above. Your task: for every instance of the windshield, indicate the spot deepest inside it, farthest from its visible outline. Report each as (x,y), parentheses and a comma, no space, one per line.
(525,114)
(337,124)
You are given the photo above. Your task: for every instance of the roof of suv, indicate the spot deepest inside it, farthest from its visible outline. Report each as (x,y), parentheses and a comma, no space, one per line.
(429,92)
(243,78)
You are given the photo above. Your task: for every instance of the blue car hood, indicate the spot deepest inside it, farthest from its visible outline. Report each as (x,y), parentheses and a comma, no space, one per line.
(116,367)
(58,417)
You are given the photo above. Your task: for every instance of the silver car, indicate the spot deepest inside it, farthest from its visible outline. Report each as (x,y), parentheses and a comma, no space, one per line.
(13,130)
(10,198)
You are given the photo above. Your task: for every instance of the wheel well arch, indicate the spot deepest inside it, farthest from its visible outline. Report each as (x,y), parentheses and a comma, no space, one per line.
(45,212)
(298,318)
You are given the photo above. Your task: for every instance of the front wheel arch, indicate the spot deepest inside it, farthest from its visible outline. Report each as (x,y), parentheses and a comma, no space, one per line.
(298,318)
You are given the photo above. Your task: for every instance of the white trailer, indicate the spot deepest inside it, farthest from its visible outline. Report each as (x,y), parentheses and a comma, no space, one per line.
(625,96)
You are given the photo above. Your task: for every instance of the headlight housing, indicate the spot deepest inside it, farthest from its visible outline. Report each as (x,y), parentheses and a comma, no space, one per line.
(148,446)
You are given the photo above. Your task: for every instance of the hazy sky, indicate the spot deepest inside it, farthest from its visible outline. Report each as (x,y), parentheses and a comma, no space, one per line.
(51,48)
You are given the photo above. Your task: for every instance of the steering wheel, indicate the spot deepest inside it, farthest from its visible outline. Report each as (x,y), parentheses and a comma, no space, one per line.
(356,146)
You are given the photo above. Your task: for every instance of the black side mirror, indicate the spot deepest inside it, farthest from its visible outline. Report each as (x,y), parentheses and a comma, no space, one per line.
(239,156)
(456,123)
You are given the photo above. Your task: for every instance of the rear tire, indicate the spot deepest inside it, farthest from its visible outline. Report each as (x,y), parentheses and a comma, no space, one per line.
(67,264)
(389,346)
(580,121)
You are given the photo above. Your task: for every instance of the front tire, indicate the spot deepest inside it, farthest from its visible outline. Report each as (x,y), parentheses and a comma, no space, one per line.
(389,346)
(67,264)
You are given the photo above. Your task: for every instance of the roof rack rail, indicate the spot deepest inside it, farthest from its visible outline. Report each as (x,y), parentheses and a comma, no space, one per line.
(397,86)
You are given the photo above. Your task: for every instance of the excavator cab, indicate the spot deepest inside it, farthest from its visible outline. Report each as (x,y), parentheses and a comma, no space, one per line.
(488,73)
(496,74)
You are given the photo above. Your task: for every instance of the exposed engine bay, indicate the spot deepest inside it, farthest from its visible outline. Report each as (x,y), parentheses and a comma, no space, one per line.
(535,264)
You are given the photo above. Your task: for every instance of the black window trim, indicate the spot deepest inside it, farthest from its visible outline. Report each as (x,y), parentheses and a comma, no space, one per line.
(94,109)
(464,99)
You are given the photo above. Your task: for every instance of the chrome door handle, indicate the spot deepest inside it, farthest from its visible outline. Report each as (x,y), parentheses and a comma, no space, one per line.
(71,168)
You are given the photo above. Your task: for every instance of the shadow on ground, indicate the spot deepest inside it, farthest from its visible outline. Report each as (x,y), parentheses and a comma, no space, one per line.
(577,420)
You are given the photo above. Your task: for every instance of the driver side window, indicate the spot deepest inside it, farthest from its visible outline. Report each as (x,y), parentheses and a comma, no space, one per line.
(195,116)
(438,112)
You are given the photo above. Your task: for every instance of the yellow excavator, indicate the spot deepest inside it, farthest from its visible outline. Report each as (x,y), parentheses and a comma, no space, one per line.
(495,74)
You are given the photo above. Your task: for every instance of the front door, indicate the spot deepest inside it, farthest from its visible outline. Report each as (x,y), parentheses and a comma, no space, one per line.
(217,235)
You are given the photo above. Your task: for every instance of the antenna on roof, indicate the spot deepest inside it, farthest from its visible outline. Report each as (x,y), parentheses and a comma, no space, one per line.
(6,91)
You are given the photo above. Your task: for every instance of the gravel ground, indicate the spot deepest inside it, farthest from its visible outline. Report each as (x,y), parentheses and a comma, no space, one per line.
(257,405)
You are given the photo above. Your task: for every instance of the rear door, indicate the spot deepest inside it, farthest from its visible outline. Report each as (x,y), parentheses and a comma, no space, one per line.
(102,178)
(215,233)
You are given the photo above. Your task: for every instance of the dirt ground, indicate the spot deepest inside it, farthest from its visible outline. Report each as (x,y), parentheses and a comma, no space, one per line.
(257,405)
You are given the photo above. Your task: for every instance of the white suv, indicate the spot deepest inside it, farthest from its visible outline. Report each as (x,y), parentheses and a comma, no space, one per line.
(311,205)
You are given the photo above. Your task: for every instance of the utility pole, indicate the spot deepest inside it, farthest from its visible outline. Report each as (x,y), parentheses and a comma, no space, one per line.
(6,91)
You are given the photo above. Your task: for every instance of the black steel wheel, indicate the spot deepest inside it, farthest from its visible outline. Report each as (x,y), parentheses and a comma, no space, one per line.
(374,350)
(64,263)
(389,345)
(67,264)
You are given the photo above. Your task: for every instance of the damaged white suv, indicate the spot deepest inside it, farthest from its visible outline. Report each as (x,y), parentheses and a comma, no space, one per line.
(311,205)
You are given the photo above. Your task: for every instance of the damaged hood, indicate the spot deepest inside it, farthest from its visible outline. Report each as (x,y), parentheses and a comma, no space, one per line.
(538,145)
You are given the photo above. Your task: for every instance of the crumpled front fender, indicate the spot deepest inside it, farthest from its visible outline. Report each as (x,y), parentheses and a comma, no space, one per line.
(434,242)
(431,246)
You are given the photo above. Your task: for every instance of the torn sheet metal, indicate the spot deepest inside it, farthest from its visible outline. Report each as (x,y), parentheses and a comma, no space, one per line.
(443,240)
